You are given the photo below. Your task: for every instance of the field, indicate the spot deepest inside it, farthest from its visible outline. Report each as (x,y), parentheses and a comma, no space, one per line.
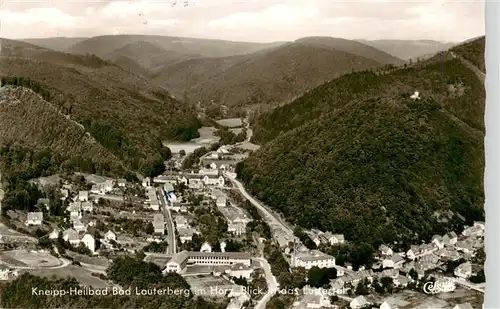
(25,258)
(206,138)
(410,299)
(230,122)
(82,275)
(5,231)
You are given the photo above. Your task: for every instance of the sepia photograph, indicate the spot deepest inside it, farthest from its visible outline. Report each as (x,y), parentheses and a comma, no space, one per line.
(243,154)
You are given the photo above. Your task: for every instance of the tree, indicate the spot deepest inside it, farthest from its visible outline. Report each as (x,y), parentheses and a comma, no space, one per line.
(318,277)
(362,287)
(150,229)
(387,284)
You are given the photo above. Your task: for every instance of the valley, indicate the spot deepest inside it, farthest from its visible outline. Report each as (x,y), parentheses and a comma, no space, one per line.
(271,172)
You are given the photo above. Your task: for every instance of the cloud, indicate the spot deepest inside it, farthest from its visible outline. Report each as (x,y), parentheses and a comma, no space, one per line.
(256,20)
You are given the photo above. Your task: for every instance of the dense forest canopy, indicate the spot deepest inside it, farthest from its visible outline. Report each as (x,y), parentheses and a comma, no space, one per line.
(358,156)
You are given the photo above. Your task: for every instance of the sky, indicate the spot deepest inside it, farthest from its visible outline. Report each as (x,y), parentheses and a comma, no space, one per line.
(246,20)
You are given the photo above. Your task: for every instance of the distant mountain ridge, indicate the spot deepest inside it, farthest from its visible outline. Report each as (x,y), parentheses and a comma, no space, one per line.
(270,76)
(409,49)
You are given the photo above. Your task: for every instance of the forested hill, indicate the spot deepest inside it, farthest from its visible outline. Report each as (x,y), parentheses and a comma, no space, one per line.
(358,156)
(122,112)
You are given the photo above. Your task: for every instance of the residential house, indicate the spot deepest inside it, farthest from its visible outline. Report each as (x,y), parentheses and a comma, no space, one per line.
(154,204)
(337,286)
(87,206)
(79,226)
(447,254)
(89,242)
(332,239)
(121,183)
(159,224)
(395,261)
(71,236)
(34,218)
(4,272)
(313,258)
(438,241)
(465,246)
(358,302)
(221,201)
(385,250)
(74,209)
(238,301)
(168,187)
(240,271)
(391,273)
(110,235)
(185,234)
(181,222)
(387,305)
(428,261)
(463,270)
(450,239)
(475,230)
(83,196)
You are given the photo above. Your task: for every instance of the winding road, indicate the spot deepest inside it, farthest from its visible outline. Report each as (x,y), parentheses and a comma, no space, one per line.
(272,284)
(271,218)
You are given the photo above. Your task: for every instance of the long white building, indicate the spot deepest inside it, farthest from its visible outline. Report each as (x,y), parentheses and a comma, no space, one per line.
(309,259)
(181,259)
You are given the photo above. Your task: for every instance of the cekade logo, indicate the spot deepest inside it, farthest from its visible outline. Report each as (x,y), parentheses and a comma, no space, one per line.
(438,286)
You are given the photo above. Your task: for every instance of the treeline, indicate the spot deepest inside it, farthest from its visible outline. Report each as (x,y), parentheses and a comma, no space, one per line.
(194,157)
(227,137)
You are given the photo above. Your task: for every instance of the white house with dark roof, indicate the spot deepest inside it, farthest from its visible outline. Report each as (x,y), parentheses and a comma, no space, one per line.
(121,183)
(159,224)
(79,226)
(34,218)
(358,302)
(71,236)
